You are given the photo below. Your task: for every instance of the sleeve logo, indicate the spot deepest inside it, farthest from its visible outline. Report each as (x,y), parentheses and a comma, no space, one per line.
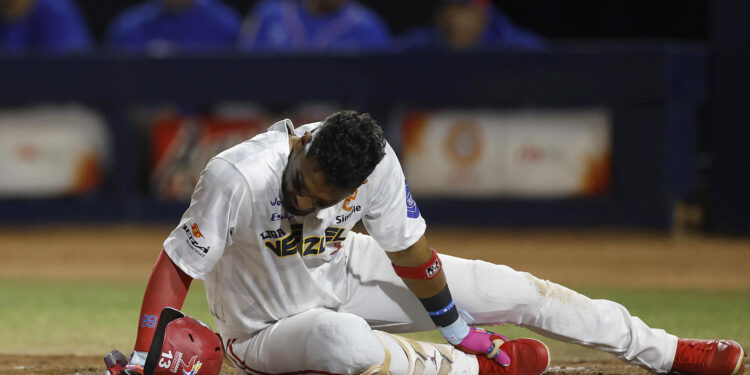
(412,210)
(196,231)
(192,233)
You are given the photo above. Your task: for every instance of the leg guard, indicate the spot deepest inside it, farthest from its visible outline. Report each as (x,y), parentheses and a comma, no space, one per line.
(424,358)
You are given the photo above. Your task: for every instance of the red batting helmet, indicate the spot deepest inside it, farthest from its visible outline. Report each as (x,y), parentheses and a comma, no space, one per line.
(183,346)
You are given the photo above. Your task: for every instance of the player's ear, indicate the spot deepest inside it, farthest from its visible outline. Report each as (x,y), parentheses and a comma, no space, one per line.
(306,138)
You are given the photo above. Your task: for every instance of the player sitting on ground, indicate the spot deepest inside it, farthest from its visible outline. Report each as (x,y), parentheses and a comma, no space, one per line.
(293,290)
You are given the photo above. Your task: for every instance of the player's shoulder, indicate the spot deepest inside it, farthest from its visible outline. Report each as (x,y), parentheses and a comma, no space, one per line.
(260,144)
(390,158)
(261,157)
(251,157)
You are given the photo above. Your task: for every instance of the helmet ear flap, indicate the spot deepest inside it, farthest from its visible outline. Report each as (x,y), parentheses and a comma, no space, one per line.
(183,343)
(168,315)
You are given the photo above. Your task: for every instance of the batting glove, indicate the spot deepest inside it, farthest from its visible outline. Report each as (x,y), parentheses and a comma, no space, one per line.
(482,342)
(118,364)
(135,364)
(132,370)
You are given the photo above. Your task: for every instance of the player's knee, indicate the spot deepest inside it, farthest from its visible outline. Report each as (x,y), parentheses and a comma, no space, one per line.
(341,342)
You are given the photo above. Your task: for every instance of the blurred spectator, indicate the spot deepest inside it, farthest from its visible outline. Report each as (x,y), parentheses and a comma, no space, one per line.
(166,25)
(469,24)
(314,25)
(42,26)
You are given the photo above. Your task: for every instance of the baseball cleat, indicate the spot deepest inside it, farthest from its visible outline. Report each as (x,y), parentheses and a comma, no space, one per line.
(527,357)
(708,357)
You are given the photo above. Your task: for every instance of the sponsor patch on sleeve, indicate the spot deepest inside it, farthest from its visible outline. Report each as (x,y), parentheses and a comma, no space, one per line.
(412,210)
(193,233)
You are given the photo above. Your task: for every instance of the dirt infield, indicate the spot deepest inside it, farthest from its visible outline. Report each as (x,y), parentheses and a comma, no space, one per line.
(58,365)
(622,259)
(628,259)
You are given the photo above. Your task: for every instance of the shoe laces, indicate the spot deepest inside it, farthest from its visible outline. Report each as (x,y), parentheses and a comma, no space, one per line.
(694,353)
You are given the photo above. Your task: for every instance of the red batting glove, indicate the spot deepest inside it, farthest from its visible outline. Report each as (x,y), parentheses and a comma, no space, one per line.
(483,342)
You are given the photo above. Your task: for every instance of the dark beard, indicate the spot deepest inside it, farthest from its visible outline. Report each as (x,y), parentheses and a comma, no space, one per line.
(285,203)
(286,199)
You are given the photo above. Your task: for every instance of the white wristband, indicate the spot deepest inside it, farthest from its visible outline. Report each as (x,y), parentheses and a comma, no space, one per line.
(456,331)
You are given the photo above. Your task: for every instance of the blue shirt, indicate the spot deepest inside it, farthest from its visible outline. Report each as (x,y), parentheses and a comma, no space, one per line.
(500,32)
(50,26)
(287,25)
(207,25)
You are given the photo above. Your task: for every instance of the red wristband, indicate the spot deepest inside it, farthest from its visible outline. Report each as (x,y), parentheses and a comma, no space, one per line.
(423,272)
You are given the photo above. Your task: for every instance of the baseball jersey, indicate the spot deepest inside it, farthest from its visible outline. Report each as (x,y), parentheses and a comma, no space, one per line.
(261,264)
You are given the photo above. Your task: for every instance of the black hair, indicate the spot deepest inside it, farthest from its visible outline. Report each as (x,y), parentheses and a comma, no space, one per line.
(347,146)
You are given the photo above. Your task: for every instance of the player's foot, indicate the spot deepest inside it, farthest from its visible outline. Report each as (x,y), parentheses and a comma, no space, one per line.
(708,357)
(527,357)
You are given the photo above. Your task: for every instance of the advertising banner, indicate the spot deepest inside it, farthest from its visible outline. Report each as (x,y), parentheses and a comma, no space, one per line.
(182,145)
(51,151)
(530,153)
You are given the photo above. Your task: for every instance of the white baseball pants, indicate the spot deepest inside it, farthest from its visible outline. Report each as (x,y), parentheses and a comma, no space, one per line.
(325,341)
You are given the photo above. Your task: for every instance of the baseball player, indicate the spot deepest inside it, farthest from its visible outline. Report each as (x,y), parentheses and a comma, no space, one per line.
(293,290)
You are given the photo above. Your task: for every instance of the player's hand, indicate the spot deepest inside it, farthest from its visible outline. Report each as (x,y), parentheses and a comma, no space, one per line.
(132,370)
(118,364)
(483,342)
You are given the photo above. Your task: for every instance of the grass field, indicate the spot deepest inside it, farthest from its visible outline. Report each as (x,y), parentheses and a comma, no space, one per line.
(77,290)
(89,318)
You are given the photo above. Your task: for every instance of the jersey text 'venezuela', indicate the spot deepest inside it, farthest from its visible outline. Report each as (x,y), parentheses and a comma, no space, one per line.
(261,264)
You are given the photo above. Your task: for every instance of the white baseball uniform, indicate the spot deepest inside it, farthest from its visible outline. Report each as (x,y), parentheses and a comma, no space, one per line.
(302,294)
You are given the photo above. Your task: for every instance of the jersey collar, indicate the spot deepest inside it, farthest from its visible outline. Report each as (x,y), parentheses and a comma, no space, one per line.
(285,126)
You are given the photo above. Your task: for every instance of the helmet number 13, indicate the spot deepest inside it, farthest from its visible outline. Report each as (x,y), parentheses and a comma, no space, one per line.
(166,359)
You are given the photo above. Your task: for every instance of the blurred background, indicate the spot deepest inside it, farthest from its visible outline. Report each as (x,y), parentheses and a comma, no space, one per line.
(613,131)
(520,113)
